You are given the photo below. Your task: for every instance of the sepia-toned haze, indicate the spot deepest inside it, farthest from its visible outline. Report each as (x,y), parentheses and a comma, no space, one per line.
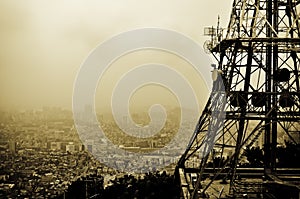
(43,43)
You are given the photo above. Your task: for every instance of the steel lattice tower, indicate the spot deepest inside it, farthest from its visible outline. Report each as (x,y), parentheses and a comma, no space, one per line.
(258,58)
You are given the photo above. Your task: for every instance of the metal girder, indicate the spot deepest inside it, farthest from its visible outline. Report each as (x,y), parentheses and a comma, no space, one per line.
(259,56)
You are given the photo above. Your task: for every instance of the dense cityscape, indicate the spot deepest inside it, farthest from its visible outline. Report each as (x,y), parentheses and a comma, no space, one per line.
(43,157)
(41,154)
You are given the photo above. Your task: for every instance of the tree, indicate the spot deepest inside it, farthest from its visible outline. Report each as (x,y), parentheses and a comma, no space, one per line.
(288,156)
(254,156)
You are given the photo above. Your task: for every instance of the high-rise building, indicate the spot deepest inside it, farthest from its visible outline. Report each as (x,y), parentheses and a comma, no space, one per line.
(89,145)
(12,145)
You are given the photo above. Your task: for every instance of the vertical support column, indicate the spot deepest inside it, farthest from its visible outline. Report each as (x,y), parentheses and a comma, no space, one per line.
(242,119)
(267,140)
(274,96)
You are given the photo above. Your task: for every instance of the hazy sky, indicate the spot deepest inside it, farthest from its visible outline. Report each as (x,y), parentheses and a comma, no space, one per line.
(43,43)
